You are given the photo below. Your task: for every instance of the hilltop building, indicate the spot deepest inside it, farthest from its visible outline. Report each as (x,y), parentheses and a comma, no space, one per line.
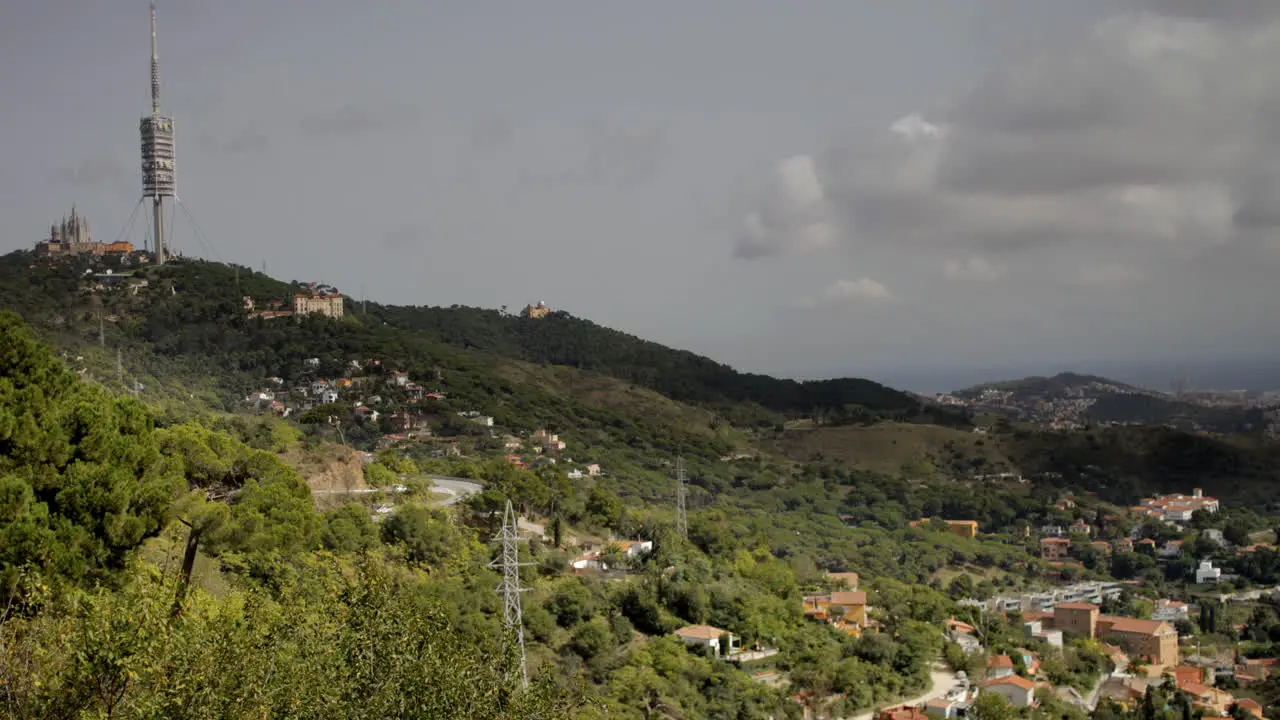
(536,312)
(1176,508)
(71,238)
(327,304)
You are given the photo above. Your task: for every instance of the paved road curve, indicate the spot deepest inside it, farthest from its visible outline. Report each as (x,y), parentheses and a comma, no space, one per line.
(454,488)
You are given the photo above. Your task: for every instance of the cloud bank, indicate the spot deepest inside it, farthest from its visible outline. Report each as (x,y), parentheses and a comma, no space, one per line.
(1137,149)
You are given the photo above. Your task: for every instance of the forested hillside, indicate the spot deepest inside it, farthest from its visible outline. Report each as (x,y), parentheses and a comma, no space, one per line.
(89,630)
(331,615)
(194,310)
(561,339)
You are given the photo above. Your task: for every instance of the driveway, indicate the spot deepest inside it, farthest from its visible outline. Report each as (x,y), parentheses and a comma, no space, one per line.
(942,681)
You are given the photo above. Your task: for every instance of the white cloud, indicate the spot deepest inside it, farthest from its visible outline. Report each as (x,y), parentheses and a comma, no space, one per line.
(844,292)
(915,127)
(974,269)
(793,218)
(1148,141)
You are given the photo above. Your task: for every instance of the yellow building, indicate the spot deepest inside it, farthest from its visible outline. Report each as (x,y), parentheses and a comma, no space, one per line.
(327,305)
(535,312)
(1154,641)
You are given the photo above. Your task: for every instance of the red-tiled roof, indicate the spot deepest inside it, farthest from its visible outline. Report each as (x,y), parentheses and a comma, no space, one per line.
(852,597)
(1135,626)
(1000,661)
(1077,606)
(1014,680)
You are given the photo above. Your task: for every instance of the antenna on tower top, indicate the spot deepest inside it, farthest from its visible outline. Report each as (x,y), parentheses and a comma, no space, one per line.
(155,66)
(157,153)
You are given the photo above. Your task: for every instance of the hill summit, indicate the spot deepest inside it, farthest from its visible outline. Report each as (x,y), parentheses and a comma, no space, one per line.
(1071,400)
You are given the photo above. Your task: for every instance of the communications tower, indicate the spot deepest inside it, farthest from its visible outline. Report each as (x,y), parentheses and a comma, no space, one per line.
(157,152)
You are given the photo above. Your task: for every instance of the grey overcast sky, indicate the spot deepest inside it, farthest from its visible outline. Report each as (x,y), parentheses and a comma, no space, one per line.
(804,188)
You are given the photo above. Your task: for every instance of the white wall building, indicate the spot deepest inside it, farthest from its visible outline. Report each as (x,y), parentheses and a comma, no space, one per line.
(1207,573)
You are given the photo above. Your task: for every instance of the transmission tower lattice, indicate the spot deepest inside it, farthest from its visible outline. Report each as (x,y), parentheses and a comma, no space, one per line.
(682,520)
(510,588)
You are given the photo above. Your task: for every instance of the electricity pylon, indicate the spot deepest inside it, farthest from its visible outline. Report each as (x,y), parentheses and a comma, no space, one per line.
(510,588)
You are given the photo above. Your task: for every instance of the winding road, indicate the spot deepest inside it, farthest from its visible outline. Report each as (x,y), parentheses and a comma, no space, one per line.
(455,488)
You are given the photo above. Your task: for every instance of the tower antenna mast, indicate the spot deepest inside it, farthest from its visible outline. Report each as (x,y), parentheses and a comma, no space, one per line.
(157,152)
(510,588)
(682,519)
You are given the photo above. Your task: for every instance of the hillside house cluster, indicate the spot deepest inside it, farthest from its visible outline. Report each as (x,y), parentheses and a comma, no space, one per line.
(1177,508)
(546,448)
(1196,682)
(375,398)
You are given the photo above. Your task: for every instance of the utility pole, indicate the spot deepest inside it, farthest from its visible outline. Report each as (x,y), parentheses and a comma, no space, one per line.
(102,333)
(682,520)
(119,368)
(510,588)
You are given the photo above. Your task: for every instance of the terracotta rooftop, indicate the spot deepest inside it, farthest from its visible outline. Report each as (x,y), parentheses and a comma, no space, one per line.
(1134,626)
(700,632)
(853,597)
(1000,661)
(1014,680)
(1077,606)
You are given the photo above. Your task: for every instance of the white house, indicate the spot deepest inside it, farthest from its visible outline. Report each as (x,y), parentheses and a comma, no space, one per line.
(1017,690)
(574,474)
(628,549)
(1207,573)
(328,396)
(707,636)
(1171,611)
(587,561)
(634,548)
